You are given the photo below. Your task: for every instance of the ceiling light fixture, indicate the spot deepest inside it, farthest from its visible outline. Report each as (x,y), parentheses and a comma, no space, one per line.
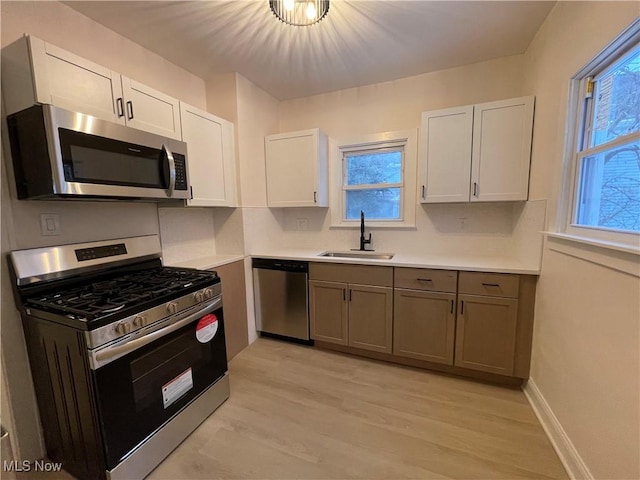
(300,13)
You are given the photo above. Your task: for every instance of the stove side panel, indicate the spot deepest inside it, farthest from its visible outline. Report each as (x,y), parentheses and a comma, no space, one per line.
(65,393)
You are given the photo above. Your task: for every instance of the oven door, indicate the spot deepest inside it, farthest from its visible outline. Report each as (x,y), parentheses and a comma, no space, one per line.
(141,390)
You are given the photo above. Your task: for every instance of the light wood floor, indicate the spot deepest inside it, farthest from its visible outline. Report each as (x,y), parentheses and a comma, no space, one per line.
(299,412)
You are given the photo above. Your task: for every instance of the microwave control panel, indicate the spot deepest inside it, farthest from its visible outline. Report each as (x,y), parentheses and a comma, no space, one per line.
(181,171)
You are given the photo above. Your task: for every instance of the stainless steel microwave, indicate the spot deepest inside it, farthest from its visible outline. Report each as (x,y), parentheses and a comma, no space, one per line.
(62,154)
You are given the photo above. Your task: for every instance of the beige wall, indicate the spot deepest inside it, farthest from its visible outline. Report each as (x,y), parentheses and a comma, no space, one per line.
(586,343)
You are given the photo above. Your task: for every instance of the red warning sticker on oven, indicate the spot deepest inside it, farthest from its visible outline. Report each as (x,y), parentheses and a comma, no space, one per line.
(207,328)
(176,388)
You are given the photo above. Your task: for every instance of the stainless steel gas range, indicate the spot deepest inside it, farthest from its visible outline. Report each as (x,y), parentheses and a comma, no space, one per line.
(128,357)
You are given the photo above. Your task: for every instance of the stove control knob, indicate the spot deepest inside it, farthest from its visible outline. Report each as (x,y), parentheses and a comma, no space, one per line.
(198,296)
(208,293)
(172,307)
(139,321)
(122,328)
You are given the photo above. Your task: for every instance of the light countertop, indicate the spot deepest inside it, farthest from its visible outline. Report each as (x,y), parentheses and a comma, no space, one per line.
(206,263)
(458,262)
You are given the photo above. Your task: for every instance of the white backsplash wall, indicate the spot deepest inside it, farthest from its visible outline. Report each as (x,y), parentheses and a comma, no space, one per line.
(487,230)
(186,233)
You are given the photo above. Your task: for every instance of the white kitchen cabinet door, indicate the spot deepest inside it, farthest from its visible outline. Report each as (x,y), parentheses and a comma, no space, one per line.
(38,72)
(150,110)
(445,150)
(296,167)
(210,158)
(501,150)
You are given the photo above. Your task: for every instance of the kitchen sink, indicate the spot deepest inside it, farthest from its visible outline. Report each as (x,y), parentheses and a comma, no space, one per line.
(358,254)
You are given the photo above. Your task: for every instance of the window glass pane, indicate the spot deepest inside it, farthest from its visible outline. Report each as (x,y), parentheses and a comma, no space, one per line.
(609,194)
(373,168)
(377,204)
(617,100)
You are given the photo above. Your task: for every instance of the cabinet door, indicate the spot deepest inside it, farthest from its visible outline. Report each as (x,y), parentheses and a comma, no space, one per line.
(235,307)
(370,317)
(296,168)
(328,312)
(73,83)
(502,150)
(445,151)
(486,333)
(210,157)
(150,110)
(424,325)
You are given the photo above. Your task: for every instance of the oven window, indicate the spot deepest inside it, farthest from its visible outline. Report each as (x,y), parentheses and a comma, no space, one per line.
(173,359)
(141,391)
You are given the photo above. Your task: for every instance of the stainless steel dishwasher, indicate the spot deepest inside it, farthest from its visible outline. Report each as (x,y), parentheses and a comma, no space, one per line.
(281,298)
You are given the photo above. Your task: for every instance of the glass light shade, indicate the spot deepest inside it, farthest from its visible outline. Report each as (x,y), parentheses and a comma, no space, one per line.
(299,12)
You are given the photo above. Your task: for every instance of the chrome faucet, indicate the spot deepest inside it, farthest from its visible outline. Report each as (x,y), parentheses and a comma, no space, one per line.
(363,241)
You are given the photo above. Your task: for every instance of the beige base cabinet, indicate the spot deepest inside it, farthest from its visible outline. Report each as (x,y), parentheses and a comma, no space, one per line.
(486,333)
(468,323)
(424,325)
(424,314)
(34,71)
(352,305)
(235,307)
(329,312)
(487,323)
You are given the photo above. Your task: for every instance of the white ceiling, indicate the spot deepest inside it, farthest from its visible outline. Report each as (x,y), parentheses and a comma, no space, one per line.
(358,43)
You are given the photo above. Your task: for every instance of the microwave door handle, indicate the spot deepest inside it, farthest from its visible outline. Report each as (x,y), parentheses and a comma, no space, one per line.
(109,354)
(172,170)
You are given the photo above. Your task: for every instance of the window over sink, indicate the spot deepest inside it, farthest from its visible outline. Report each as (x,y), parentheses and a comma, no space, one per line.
(374,174)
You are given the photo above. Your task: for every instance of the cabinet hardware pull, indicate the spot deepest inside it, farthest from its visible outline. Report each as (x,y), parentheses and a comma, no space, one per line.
(350,296)
(315,197)
(120,106)
(424,280)
(461,307)
(344,294)
(423,191)
(475,189)
(490,284)
(451,307)
(130,110)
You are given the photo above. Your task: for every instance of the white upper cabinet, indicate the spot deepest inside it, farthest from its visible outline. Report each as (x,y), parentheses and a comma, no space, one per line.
(297,169)
(210,158)
(446,148)
(501,150)
(477,153)
(34,71)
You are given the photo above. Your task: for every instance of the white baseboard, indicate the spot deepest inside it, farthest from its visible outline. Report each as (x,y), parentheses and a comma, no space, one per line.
(569,456)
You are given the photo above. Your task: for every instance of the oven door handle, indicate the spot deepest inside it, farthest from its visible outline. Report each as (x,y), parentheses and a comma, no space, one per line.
(109,354)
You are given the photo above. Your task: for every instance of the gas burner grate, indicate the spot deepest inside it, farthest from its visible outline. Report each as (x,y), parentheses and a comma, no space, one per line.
(109,295)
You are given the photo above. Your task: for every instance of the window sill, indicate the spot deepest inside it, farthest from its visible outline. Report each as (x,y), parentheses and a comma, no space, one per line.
(616,256)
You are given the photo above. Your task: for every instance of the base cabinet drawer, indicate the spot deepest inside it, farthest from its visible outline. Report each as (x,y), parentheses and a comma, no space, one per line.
(424,325)
(486,330)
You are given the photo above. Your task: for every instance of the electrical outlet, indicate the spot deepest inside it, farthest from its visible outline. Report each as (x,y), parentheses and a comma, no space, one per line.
(301,223)
(49,224)
(463,222)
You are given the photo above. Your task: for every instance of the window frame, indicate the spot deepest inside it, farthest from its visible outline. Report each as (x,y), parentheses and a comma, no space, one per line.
(408,140)
(580,114)
(372,149)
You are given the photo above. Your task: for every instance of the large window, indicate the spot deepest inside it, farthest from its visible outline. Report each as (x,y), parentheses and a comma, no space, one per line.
(606,164)
(374,174)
